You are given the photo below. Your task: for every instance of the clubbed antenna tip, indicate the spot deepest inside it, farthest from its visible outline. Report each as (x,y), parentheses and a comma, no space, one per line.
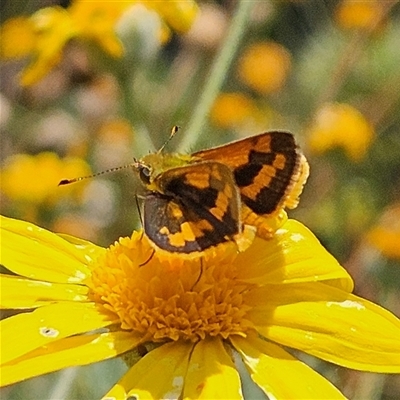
(81,178)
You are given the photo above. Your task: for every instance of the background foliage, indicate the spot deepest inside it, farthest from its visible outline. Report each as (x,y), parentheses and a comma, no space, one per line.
(85,88)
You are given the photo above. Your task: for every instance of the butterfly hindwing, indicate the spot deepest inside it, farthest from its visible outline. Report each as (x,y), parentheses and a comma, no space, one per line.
(198,206)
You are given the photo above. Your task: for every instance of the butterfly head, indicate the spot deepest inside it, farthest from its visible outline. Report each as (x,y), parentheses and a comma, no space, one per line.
(144,171)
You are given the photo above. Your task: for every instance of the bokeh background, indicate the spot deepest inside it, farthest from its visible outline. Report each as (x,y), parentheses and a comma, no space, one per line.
(86,86)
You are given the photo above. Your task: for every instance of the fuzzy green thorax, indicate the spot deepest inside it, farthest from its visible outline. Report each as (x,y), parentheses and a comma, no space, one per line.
(159,163)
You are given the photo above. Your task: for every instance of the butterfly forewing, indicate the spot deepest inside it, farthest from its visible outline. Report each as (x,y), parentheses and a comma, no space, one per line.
(266,167)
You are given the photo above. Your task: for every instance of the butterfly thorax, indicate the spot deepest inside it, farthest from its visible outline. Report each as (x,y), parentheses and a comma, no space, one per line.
(153,166)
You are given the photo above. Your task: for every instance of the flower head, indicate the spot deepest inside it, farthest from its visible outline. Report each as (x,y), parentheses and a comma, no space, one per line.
(341,125)
(188,314)
(235,109)
(351,14)
(385,235)
(264,67)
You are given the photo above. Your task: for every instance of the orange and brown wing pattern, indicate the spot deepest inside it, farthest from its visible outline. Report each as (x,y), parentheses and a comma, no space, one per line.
(269,171)
(196,207)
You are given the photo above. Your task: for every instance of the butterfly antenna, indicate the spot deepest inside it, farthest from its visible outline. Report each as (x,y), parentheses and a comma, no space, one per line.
(81,178)
(174,130)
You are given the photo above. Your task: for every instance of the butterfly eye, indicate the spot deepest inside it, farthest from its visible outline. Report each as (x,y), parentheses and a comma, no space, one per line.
(144,174)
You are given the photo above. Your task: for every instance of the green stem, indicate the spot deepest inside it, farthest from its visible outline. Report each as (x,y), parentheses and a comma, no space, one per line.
(217,76)
(142,141)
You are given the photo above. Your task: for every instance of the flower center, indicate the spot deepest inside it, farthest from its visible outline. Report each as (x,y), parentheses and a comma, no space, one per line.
(165,296)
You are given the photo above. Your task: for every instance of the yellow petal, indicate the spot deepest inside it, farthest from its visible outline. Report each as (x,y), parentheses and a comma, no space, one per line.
(40,67)
(159,374)
(39,254)
(18,293)
(293,255)
(28,331)
(331,324)
(180,15)
(68,352)
(83,246)
(279,374)
(112,45)
(211,373)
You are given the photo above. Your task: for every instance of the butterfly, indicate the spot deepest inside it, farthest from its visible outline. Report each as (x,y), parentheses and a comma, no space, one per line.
(193,202)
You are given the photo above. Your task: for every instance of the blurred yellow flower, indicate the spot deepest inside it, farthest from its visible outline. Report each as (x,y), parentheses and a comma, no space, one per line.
(115,130)
(264,67)
(21,28)
(34,179)
(385,236)
(354,14)
(340,125)
(44,34)
(233,110)
(49,29)
(187,314)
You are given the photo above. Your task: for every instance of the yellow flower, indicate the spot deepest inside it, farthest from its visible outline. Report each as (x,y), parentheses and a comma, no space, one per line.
(53,27)
(385,236)
(44,34)
(187,314)
(264,67)
(34,179)
(340,125)
(351,14)
(21,28)
(235,110)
